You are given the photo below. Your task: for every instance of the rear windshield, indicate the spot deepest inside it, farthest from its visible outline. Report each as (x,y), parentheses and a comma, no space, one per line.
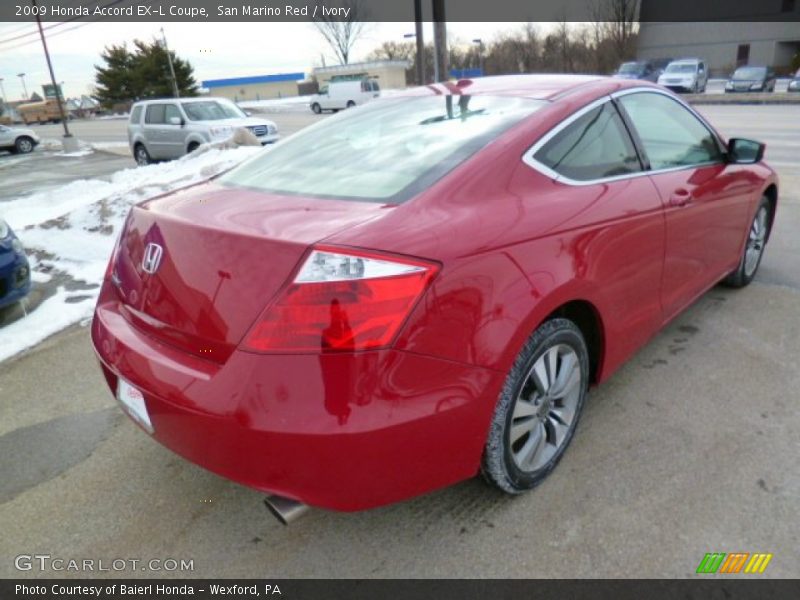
(631,67)
(682,68)
(385,151)
(211,110)
(750,73)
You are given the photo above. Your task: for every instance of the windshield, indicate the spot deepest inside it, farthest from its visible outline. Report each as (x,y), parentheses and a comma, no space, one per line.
(211,110)
(385,151)
(630,68)
(750,73)
(682,68)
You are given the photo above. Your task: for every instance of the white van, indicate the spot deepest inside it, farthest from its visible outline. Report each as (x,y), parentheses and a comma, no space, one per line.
(344,94)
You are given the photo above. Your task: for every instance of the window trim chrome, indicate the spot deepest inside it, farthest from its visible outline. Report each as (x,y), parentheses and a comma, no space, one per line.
(528,156)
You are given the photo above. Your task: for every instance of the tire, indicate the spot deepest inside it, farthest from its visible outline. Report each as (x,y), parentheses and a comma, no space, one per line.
(141,155)
(316,108)
(757,237)
(350,104)
(192,147)
(527,438)
(23,145)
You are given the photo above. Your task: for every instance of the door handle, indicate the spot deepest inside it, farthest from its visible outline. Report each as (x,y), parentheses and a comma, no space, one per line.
(680,197)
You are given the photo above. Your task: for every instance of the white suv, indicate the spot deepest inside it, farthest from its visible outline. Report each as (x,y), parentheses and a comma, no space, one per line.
(685,75)
(170,128)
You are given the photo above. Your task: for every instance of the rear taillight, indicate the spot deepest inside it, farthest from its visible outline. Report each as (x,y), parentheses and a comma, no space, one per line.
(342,300)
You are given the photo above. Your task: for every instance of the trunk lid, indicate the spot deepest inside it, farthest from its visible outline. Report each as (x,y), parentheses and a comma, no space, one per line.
(197,267)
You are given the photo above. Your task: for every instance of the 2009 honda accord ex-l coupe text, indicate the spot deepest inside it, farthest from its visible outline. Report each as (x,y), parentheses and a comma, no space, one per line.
(422,289)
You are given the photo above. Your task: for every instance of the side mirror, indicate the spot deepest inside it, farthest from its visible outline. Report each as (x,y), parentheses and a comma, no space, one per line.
(175,121)
(744,152)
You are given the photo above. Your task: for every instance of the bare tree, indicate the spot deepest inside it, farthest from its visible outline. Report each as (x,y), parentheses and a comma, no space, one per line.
(342,35)
(617,21)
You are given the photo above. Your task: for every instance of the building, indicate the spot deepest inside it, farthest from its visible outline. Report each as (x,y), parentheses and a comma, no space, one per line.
(260,87)
(763,33)
(391,74)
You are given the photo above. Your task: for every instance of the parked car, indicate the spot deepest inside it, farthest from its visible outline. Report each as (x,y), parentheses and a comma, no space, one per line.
(751,79)
(641,69)
(344,94)
(685,75)
(424,288)
(169,128)
(18,141)
(15,274)
(794,84)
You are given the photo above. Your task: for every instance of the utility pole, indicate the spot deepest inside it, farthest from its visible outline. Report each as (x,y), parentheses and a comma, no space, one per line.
(171,68)
(420,43)
(440,41)
(24,89)
(479,42)
(3,90)
(70,143)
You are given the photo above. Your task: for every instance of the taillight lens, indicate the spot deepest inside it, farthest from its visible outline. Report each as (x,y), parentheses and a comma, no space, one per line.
(342,300)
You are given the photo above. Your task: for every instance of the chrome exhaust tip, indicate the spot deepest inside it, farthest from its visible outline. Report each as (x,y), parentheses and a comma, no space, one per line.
(285,510)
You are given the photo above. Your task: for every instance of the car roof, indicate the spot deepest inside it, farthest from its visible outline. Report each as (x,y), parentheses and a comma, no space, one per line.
(193,99)
(540,87)
(686,61)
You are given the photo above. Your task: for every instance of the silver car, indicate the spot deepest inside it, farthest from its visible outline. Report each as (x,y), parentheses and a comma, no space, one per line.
(170,128)
(18,141)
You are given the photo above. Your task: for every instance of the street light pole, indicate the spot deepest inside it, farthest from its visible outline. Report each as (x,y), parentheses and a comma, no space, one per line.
(24,89)
(70,145)
(3,91)
(420,42)
(171,68)
(440,41)
(479,41)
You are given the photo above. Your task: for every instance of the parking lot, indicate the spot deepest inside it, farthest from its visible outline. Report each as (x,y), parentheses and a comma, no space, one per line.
(690,448)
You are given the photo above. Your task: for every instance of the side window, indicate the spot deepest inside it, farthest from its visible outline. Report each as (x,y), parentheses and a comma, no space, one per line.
(155,114)
(594,146)
(671,135)
(136,115)
(171,111)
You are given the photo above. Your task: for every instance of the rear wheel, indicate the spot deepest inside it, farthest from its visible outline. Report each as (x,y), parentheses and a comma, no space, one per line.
(141,155)
(23,145)
(753,248)
(316,108)
(538,409)
(192,147)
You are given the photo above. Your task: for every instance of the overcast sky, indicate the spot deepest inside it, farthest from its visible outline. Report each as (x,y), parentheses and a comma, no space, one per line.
(216,50)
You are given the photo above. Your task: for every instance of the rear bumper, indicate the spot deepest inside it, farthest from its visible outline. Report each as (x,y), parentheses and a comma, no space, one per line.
(345,432)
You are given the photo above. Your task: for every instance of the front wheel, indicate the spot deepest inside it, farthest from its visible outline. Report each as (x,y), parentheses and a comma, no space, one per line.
(141,155)
(350,104)
(316,108)
(753,248)
(538,408)
(23,145)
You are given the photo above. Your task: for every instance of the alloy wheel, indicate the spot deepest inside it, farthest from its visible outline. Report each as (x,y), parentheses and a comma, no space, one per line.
(545,408)
(756,240)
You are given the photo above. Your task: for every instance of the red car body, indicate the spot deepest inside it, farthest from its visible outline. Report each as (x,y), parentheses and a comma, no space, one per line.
(508,246)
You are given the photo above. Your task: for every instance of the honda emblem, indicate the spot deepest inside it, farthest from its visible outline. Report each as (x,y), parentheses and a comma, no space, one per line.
(152,258)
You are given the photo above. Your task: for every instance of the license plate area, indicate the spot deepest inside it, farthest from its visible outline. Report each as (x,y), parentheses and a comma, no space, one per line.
(132,401)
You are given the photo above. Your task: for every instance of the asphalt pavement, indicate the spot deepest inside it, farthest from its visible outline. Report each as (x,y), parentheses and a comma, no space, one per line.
(690,448)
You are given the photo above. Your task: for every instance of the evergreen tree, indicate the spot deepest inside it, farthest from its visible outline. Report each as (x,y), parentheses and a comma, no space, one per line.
(141,73)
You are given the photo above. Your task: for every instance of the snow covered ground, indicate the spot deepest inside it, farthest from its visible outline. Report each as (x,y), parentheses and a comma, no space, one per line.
(279,104)
(69,232)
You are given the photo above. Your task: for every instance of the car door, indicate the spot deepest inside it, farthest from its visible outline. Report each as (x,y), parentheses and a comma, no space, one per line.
(154,130)
(706,200)
(174,136)
(6,137)
(614,234)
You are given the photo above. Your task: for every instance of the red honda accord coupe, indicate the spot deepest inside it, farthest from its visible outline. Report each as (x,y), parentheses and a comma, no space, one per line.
(422,289)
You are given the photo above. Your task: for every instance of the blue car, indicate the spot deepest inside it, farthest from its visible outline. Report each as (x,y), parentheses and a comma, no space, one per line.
(15,274)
